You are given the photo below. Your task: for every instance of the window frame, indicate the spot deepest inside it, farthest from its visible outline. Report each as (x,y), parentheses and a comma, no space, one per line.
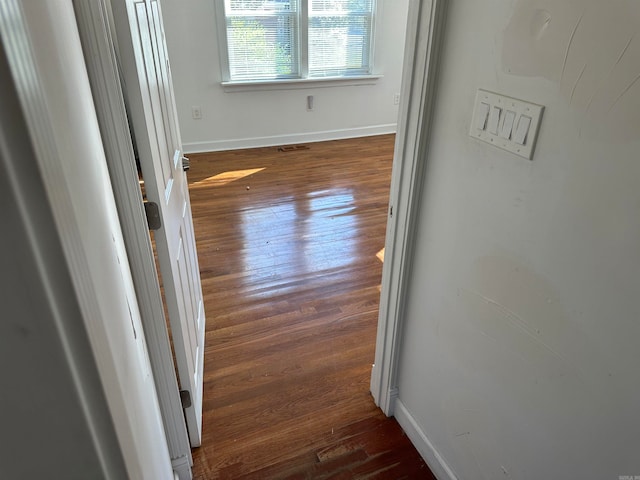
(303,81)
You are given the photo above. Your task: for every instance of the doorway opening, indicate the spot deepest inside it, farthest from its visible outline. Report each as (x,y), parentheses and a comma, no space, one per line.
(331,411)
(289,244)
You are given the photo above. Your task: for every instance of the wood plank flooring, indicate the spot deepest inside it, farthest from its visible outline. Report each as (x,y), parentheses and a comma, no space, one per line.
(288,244)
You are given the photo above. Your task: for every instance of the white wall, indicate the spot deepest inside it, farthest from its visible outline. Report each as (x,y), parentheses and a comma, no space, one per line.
(78,189)
(260,118)
(520,350)
(48,372)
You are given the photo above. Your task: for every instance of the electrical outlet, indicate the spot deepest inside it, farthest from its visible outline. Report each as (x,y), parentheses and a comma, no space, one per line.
(196,113)
(396,99)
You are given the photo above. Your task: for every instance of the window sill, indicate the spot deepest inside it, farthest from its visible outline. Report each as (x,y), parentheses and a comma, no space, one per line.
(298,83)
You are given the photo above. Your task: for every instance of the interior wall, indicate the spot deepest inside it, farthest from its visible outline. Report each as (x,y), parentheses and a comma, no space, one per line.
(73,167)
(42,330)
(519,356)
(241,119)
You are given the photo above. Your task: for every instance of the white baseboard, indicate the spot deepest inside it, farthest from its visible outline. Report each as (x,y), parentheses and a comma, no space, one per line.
(436,463)
(295,138)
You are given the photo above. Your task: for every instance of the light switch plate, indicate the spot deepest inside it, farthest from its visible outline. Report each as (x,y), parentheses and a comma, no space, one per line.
(506,122)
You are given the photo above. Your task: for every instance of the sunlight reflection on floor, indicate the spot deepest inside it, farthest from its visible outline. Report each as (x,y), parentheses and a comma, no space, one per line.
(309,230)
(226,177)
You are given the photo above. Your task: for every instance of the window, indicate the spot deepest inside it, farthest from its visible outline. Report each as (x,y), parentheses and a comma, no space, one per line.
(298,39)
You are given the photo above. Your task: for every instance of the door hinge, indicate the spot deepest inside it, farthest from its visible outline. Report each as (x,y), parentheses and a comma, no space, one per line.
(186,164)
(391,211)
(153,215)
(185,398)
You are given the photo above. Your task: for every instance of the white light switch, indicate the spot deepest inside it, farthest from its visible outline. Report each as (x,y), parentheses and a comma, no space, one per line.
(507,125)
(494,119)
(481,116)
(523,129)
(506,122)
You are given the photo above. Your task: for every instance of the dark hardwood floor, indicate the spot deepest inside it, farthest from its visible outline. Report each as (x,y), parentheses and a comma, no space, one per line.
(289,245)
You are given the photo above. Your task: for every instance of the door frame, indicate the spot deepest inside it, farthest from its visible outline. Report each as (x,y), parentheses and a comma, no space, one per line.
(94,24)
(424,38)
(117,350)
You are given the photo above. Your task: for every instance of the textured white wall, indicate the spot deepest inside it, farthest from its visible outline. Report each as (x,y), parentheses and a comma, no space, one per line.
(237,119)
(520,355)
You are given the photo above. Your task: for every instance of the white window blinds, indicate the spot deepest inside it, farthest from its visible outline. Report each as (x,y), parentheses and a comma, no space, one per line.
(339,37)
(262,38)
(271,39)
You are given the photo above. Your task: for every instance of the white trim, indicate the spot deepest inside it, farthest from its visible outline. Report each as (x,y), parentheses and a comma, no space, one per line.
(438,466)
(117,348)
(238,143)
(221,31)
(92,19)
(303,39)
(32,239)
(424,38)
(298,83)
(376,27)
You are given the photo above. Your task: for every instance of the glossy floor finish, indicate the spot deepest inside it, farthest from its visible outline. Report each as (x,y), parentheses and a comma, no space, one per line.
(290,248)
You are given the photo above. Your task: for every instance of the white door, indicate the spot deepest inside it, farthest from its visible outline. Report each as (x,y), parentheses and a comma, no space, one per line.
(149,93)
